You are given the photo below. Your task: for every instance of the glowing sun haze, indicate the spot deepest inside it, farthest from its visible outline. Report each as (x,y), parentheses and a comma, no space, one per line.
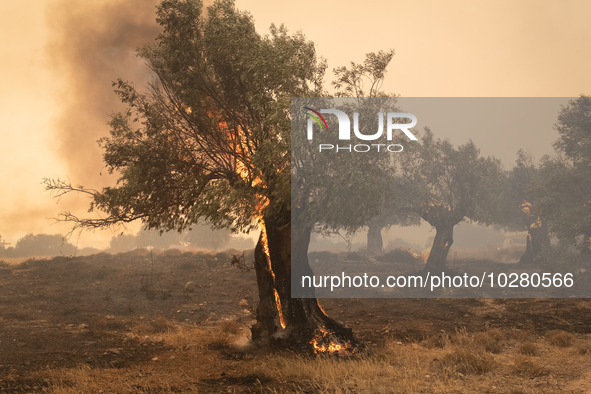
(59,56)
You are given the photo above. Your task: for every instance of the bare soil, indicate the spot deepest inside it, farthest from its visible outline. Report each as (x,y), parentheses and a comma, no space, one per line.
(132,323)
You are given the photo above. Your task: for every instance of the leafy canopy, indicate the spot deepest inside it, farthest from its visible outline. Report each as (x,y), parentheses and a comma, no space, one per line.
(564,188)
(448,184)
(210,137)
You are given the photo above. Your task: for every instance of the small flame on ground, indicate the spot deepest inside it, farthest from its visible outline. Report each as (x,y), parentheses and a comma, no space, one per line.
(325,341)
(423,255)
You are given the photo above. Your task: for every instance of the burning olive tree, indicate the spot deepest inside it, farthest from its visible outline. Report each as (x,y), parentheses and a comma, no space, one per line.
(209,140)
(446,185)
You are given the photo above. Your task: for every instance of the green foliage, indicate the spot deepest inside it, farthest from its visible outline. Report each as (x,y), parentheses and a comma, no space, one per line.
(446,185)
(564,188)
(574,129)
(336,190)
(343,191)
(564,257)
(363,80)
(209,139)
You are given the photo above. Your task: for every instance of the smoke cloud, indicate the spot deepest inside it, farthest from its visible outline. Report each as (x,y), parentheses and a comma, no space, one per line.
(91,45)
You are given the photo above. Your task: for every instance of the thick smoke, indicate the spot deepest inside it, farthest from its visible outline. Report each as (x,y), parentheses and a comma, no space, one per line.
(92,44)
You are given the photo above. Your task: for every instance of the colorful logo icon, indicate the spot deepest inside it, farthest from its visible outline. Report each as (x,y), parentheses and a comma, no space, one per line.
(317,117)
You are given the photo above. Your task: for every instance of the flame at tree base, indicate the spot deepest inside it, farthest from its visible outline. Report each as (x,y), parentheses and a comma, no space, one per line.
(325,341)
(423,255)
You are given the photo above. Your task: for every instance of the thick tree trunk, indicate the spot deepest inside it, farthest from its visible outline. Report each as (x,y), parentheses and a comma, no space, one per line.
(441,244)
(302,318)
(305,316)
(537,240)
(375,243)
(266,312)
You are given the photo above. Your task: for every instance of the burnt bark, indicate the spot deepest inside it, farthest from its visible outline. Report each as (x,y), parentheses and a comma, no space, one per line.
(375,243)
(266,312)
(440,249)
(305,315)
(302,316)
(538,239)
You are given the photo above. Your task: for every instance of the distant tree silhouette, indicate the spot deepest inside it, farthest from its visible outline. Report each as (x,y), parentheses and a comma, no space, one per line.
(42,245)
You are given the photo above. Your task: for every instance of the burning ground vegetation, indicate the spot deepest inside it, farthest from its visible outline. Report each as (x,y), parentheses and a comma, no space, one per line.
(179,322)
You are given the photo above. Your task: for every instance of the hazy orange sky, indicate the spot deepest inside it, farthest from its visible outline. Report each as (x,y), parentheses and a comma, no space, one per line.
(58,57)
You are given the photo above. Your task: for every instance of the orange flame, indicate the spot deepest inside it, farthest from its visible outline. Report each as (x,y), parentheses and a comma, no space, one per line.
(423,255)
(320,307)
(241,157)
(279,311)
(265,242)
(325,341)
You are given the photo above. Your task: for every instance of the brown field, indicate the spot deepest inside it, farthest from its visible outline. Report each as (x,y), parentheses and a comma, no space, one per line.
(131,323)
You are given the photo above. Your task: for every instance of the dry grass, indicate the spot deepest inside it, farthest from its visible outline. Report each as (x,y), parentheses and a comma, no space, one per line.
(560,338)
(231,327)
(438,341)
(492,340)
(98,324)
(84,379)
(160,324)
(528,367)
(466,361)
(389,370)
(201,360)
(112,339)
(528,348)
(219,340)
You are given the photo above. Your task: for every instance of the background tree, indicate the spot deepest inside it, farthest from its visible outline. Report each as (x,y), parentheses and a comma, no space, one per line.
(41,245)
(564,187)
(395,210)
(210,140)
(330,191)
(364,80)
(123,243)
(199,236)
(202,236)
(445,185)
(3,245)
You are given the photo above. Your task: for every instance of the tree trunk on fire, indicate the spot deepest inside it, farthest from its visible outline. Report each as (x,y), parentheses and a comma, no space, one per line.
(266,312)
(537,240)
(375,243)
(441,244)
(301,317)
